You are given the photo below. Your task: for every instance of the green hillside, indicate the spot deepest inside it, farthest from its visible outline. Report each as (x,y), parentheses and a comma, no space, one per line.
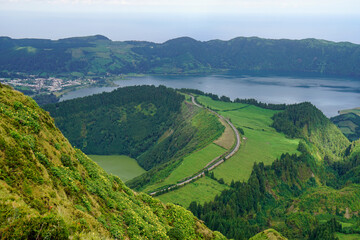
(305,121)
(98,55)
(297,193)
(349,124)
(192,139)
(127,121)
(269,234)
(49,190)
(255,122)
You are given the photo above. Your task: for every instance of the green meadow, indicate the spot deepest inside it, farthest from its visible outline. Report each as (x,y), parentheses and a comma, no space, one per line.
(343,236)
(201,190)
(262,144)
(191,165)
(122,166)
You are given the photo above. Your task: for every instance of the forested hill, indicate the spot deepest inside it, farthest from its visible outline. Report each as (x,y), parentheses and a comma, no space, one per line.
(49,190)
(128,120)
(305,121)
(302,196)
(98,55)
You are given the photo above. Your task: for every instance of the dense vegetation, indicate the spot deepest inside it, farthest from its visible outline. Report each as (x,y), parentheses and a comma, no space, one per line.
(127,121)
(296,193)
(305,121)
(290,196)
(49,190)
(97,55)
(349,124)
(193,130)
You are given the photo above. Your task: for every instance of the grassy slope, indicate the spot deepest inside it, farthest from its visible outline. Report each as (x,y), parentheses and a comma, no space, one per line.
(202,190)
(227,139)
(263,143)
(190,165)
(261,146)
(50,190)
(122,166)
(198,129)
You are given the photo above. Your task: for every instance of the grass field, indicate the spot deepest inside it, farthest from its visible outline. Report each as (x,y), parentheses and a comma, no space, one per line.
(191,164)
(123,166)
(263,143)
(342,236)
(202,190)
(227,139)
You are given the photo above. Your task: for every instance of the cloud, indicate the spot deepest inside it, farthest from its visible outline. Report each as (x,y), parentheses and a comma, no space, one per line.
(195,6)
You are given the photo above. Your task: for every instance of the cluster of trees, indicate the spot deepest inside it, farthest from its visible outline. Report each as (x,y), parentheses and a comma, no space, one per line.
(43,99)
(126,121)
(296,117)
(250,101)
(255,102)
(181,55)
(243,210)
(247,208)
(326,230)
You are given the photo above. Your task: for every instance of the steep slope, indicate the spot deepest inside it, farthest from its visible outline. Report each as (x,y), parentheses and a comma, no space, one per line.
(305,121)
(99,55)
(125,121)
(349,124)
(49,190)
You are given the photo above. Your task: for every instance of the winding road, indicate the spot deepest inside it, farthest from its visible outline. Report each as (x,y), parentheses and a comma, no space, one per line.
(212,164)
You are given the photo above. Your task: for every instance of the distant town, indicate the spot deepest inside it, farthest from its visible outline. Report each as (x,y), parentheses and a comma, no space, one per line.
(37,84)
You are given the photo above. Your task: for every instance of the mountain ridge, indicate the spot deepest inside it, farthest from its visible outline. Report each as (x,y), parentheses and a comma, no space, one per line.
(98,55)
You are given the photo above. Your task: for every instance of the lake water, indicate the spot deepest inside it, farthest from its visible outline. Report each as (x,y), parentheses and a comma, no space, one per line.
(329,94)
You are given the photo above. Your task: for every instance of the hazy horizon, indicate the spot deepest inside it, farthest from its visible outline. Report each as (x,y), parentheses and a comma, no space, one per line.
(161,20)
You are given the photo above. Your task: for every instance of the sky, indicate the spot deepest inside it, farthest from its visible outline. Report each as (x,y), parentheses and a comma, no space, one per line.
(161,20)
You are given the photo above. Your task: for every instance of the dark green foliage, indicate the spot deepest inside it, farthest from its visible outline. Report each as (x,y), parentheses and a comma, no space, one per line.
(44,99)
(296,117)
(305,121)
(247,207)
(225,99)
(326,231)
(241,130)
(261,104)
(100,56)
(126,121)
(175,234)
(349,124)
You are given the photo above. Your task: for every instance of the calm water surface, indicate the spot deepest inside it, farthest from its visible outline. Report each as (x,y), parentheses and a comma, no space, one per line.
(328,94)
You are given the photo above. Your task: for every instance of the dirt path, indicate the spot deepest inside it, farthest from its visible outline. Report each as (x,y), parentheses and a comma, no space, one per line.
(213,163)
